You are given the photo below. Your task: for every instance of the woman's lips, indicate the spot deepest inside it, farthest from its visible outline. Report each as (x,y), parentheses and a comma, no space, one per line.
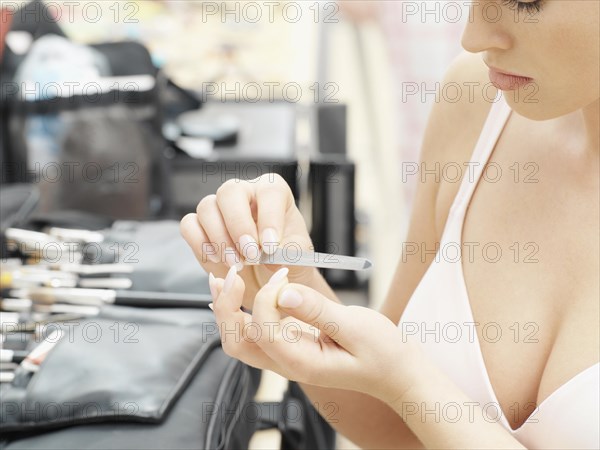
(507,81)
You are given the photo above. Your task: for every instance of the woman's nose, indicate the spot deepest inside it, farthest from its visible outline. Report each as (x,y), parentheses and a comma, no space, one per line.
(484,29)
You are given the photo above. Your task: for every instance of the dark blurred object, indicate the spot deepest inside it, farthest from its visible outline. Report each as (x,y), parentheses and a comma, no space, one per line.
(147,245)
(69,219)
(314,431)
(265,130)
(221,129)
(332,186)
(109,146)
(35,19)
(110,157)
(177,100)
(304,429)
(194,179)
(115,148)
(204,159)
(331,122)
(17,202)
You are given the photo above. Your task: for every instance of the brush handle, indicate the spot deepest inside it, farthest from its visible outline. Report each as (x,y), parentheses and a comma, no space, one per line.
(161,299)
(15,356)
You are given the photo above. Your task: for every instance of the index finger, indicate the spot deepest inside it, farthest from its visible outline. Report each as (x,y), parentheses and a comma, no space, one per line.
(273,200)
(234,198)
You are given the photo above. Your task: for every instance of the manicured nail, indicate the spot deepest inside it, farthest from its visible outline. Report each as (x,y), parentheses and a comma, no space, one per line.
(212,285)
(289,298)
(229,280)
(270,240)
(232,259)
(278,276)
(210,305)
(249,248)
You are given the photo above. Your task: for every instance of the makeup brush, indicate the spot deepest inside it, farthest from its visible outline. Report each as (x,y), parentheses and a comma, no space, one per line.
(91,269)
(31,277)
(100,297)
(34,359)
(14,356)
(25,305)
(7,377)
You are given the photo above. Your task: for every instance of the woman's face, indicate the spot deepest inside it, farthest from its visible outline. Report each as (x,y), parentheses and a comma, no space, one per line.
(550,47)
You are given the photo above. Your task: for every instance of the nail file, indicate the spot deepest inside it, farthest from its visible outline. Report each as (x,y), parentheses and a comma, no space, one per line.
(293,256)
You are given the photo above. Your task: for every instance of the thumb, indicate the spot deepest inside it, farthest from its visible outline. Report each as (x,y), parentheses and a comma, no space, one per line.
(229,293)
(312,307)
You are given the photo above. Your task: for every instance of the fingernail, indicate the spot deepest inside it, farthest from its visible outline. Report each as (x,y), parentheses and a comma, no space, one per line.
(229,280)
(270,240)
(289,298)
(232,259)
(211,285)
(210,305)
(278,276)
(249,248)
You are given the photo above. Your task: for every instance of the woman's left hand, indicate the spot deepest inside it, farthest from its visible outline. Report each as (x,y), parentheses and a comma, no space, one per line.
(329,345)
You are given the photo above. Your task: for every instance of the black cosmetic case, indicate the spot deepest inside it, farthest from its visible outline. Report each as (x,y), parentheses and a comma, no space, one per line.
(117,381)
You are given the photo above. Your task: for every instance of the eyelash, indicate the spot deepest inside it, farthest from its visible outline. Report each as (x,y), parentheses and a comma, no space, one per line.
(528,7)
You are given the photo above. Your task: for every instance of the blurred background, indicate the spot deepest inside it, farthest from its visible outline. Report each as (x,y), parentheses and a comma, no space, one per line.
(177,96)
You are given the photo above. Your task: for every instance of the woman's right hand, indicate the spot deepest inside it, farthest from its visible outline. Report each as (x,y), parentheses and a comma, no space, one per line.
(247,217)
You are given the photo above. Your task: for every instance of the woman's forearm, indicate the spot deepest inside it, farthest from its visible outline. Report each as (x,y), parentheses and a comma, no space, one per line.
(365,420)
(441,415)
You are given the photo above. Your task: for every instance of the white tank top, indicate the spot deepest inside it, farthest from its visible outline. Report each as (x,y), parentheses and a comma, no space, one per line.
(440,315)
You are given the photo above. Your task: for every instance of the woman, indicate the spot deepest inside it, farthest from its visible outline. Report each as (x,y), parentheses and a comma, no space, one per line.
(497,348)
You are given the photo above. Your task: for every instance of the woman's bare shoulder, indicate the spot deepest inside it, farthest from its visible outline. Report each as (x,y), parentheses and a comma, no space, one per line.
(456,120)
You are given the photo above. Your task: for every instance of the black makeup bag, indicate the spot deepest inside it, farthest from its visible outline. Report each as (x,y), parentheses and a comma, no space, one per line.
(134,378)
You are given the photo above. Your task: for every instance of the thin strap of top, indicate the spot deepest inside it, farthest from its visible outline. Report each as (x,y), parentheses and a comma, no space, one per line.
(494,124)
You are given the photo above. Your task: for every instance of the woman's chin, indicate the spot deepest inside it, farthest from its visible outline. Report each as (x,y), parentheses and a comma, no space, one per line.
(541,108)
(534,111)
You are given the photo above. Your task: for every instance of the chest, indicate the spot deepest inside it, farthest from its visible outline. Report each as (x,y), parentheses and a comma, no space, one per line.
(530,262)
